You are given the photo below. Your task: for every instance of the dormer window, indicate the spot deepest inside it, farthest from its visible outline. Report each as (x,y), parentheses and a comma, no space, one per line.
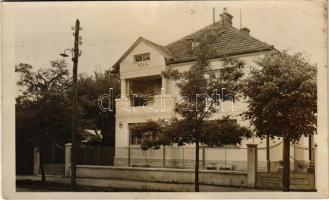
(213,73)
(195,44)
(142,57)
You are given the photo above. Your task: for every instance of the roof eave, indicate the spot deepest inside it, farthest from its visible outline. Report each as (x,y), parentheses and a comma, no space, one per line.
(165,51)
(222,55)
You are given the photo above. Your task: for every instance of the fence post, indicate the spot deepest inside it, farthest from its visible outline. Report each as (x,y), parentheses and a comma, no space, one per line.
(36,161)
(311,168)
(252,164)
(67,165)
(164,157)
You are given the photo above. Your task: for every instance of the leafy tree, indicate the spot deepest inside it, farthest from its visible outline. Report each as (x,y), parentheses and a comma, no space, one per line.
(282,98)
(194,110)
(214,133)
(90,89)
(43,108)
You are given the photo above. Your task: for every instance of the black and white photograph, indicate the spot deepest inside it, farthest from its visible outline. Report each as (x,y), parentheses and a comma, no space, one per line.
(221,99)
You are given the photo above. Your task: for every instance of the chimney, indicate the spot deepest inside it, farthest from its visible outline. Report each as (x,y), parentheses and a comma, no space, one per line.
(245,31)
(226,18)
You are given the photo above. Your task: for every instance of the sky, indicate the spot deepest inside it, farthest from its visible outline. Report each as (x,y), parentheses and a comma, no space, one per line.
(43,30)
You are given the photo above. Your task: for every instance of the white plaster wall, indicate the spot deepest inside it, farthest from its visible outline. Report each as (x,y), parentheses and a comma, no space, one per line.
(130,69)
(122,134)
(216,64)
(230,109)
(233,110)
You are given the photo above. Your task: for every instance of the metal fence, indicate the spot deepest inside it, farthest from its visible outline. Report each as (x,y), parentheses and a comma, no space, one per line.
(54,153)
(299,158)
(89,155)
(220,158)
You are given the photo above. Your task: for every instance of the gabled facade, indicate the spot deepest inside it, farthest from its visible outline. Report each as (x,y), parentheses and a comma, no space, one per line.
(140,70)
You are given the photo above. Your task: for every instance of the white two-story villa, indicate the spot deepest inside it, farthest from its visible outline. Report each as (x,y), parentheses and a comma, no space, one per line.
(140,70)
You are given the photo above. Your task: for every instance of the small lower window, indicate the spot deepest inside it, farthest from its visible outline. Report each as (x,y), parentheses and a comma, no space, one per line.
(142,57)
(134,140)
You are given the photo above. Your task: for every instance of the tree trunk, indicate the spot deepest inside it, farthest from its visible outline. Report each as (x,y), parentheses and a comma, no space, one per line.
(286,165)
(42,169)
(196,183)
(52,152)
(164,157)
(203,156)
(268,162)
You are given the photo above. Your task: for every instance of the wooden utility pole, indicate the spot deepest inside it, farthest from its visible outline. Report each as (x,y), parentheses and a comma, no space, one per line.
(213,15)
(74,133)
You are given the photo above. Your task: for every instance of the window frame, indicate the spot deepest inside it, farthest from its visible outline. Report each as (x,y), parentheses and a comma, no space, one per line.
(135,141)
(143,56)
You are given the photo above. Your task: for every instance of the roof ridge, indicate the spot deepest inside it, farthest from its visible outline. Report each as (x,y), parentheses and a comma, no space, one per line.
(197,31)
(232,41)
(160,46)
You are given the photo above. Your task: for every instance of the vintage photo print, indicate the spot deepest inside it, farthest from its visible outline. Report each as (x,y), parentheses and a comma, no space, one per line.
(175,99)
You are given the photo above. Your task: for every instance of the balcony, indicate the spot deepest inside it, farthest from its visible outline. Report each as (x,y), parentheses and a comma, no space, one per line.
(144,95)
(156,104)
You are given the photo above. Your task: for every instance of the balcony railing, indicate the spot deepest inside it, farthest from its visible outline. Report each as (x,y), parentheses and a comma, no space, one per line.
(141,100)
(156,103)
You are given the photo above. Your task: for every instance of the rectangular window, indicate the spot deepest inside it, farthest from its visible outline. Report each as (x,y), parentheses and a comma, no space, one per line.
(142,57)
(134,140)
(138,141)
(214,73)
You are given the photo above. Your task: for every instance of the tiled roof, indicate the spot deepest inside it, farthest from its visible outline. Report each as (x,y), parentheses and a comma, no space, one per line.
(231,41)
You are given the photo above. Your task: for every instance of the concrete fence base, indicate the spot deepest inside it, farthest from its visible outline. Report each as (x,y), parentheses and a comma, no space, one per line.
(164,175)
(139,171)
(298,181)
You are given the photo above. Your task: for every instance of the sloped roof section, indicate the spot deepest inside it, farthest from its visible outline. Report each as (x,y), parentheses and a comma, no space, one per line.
(161,48)
(231,41)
